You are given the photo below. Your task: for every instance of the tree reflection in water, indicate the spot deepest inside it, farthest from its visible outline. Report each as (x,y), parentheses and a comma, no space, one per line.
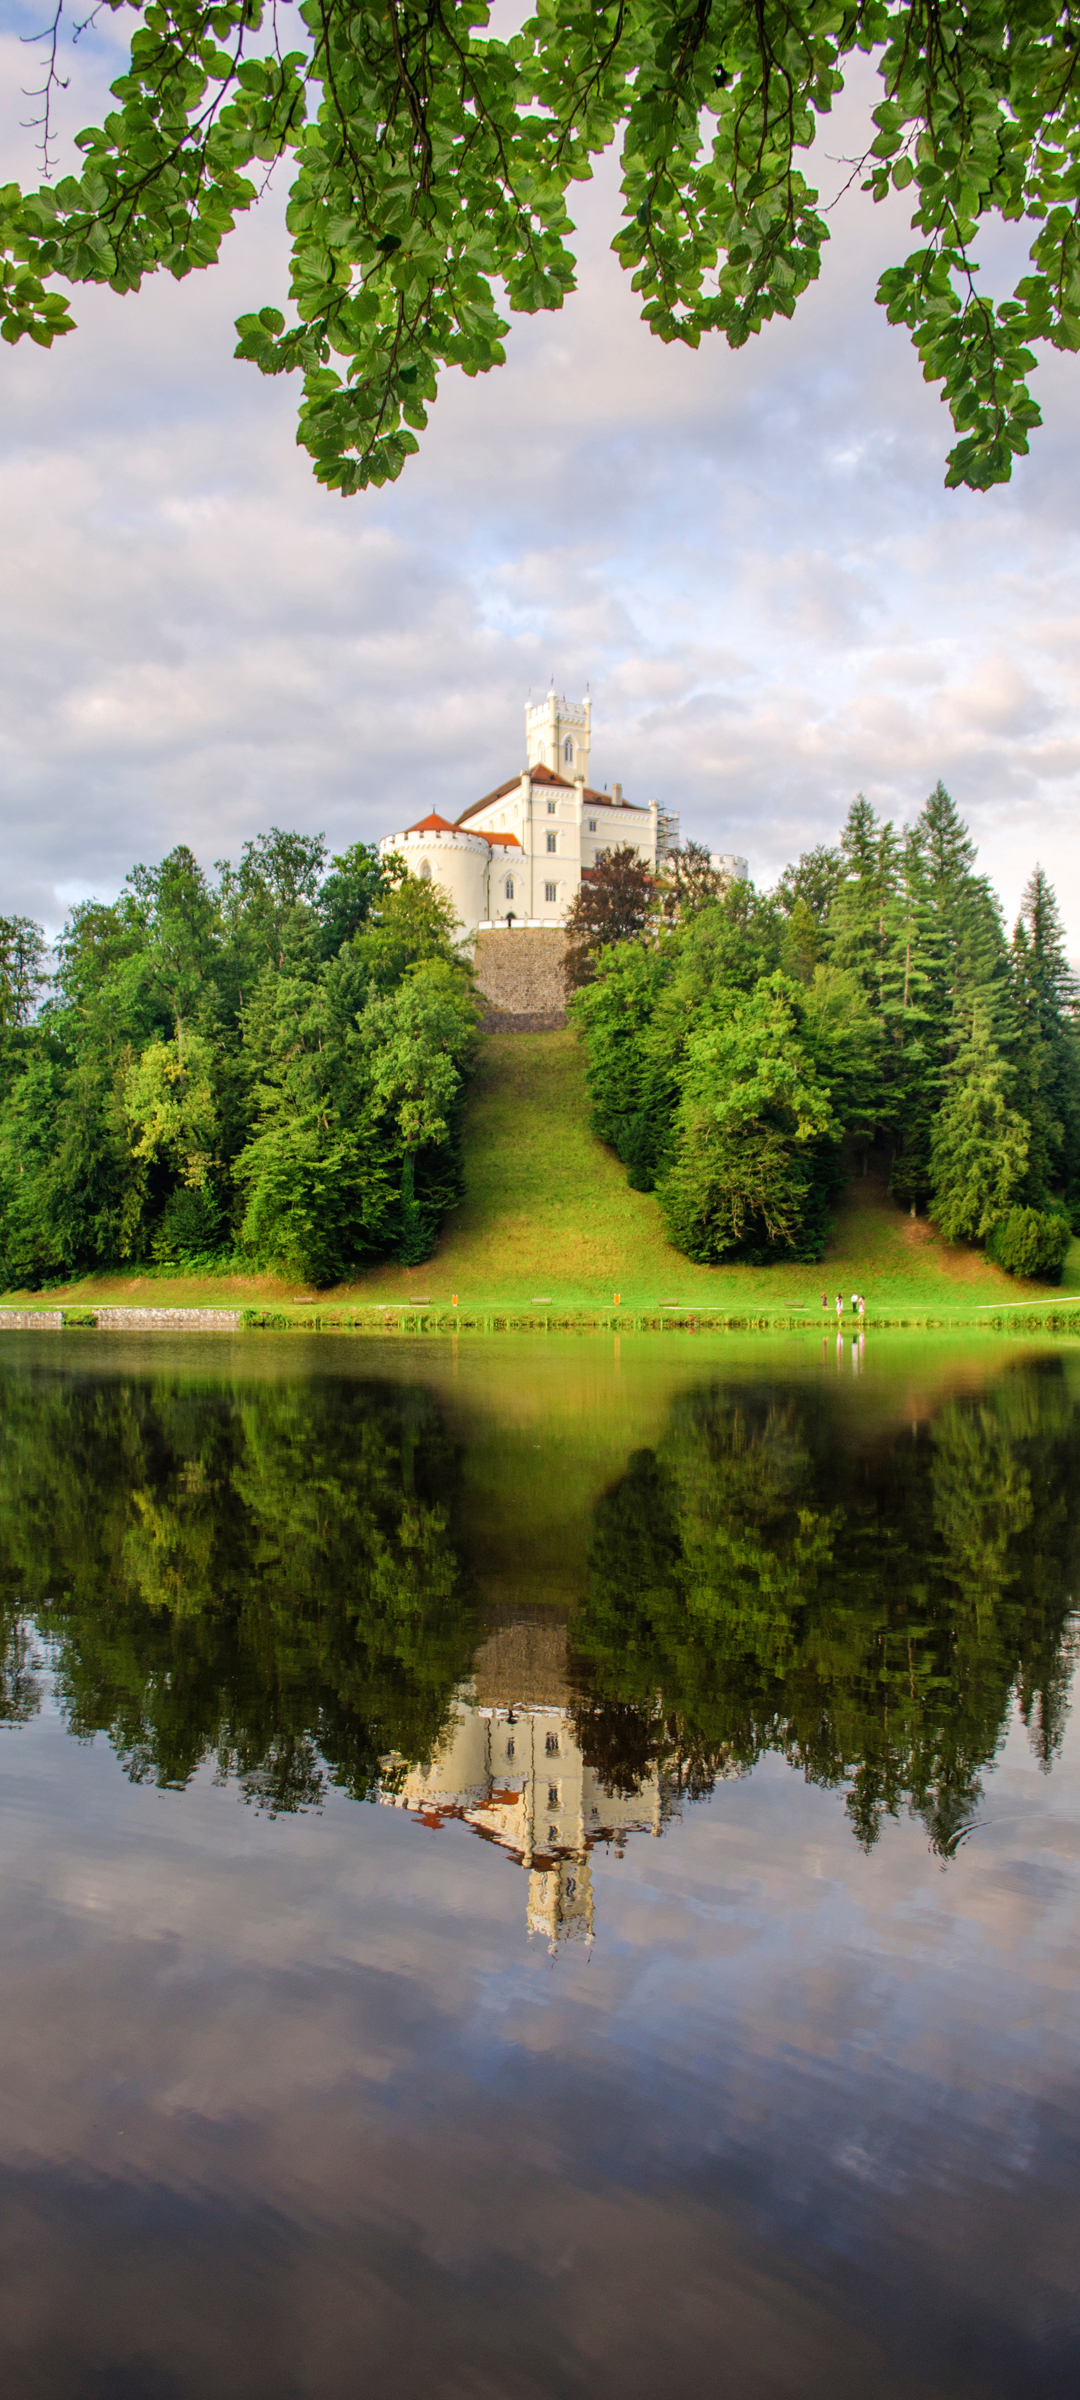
(275,1577)
(265,1576)
(866,1611)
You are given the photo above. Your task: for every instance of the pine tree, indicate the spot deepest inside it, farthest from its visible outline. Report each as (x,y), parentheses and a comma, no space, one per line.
(859,916)
(954,957)
(979,1145)
(1046,1046)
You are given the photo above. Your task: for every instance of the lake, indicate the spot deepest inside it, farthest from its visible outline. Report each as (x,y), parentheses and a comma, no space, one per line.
(539,1867)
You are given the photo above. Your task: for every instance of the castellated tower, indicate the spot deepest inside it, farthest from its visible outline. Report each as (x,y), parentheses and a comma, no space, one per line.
(515,860)
(557,736)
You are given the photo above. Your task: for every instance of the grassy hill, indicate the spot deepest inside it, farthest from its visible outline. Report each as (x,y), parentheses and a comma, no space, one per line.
(549,1211)
(549,1216)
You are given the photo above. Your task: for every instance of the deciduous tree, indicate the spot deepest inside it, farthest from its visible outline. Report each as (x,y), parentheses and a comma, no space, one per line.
(432,165)
(615,902)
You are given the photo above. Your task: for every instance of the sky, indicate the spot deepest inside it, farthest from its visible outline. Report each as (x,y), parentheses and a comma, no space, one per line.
(748,559)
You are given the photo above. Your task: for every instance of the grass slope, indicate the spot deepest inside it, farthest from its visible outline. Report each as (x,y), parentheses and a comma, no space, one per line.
(548,1215)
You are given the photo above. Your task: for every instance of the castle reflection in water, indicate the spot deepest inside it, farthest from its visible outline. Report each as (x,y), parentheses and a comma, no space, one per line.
(513,1769)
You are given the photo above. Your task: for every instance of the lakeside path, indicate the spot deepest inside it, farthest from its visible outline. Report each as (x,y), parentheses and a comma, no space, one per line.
(549,1232)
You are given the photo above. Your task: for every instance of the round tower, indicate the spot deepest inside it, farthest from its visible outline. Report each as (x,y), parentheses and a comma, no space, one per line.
(459,862)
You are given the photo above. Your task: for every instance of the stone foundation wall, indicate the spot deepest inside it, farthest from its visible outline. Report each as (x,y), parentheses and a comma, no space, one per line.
(121,1320)
(522,1664)
(520,973)
(168,1320)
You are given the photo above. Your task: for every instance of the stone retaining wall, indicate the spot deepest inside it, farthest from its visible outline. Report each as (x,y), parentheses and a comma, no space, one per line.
(522,1664)
(121,1320)
(168,1320)
(520,971)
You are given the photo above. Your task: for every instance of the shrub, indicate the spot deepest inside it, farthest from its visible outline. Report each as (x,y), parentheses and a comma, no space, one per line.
(1031,1241)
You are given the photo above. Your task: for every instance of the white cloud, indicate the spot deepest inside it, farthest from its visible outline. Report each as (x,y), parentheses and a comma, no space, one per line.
(751,559)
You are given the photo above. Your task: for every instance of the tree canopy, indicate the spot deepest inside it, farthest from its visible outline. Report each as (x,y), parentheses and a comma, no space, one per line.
(746,1051)
(432,162)
(274,1064)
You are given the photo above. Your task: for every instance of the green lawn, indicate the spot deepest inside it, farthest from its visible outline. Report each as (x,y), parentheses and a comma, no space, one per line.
(548,1216)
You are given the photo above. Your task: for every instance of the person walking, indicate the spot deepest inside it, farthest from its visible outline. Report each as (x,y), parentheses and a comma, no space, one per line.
(824,1300)
(839,1307)
(862,1305)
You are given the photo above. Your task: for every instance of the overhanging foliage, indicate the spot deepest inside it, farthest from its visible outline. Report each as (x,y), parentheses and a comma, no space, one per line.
(432,165)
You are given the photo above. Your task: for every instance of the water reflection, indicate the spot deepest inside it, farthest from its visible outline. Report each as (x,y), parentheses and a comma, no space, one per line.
(282,1577)
(518,1776)
(265,1577)
(599,2051)
(864,1608)
(282,1580)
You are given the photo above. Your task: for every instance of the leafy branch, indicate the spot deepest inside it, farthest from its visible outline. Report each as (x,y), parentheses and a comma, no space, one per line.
(432,165)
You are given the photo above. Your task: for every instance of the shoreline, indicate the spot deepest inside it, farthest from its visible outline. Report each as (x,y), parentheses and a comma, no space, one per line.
(378,1319)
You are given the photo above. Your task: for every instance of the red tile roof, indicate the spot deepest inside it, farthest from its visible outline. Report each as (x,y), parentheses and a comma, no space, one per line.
(604,800)
(503,789)
(544,775)
(437,824)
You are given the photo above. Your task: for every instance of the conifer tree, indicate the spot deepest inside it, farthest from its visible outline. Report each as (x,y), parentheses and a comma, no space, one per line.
(954,955)
(979,1145)
(1046,1050)
(859,915)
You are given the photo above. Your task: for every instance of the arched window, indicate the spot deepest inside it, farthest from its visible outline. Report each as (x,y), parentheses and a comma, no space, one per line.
(509,887)
(568,750)
(425,870)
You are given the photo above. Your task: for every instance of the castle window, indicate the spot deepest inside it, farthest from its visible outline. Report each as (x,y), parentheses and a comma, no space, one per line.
(551,808)
(425,870)
(509,887)
(592,824)
(549,892)
(551,1744)
(552,842)
(553,1795)
(568,751)
(510,1747)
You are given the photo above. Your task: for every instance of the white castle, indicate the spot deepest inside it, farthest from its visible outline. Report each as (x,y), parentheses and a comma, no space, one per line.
(518,856)
(517,1777)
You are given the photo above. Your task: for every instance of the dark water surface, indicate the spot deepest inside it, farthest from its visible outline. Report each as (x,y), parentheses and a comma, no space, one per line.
(539,1870)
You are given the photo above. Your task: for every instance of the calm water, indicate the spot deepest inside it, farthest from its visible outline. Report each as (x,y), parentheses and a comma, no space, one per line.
(539,1871)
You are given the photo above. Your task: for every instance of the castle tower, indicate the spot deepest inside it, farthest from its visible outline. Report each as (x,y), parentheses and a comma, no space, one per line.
(560,1901)
(557,735)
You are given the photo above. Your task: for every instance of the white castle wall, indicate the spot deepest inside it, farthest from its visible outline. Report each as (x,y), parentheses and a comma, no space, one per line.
(459,862)
(543,833)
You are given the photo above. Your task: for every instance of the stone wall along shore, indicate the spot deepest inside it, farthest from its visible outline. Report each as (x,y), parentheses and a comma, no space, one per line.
(121,1320)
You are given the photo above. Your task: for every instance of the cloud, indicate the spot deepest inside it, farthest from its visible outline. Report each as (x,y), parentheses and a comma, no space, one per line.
(750,559)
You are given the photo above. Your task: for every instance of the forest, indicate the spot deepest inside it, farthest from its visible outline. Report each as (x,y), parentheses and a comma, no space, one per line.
(759,1048)
(268,1068)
